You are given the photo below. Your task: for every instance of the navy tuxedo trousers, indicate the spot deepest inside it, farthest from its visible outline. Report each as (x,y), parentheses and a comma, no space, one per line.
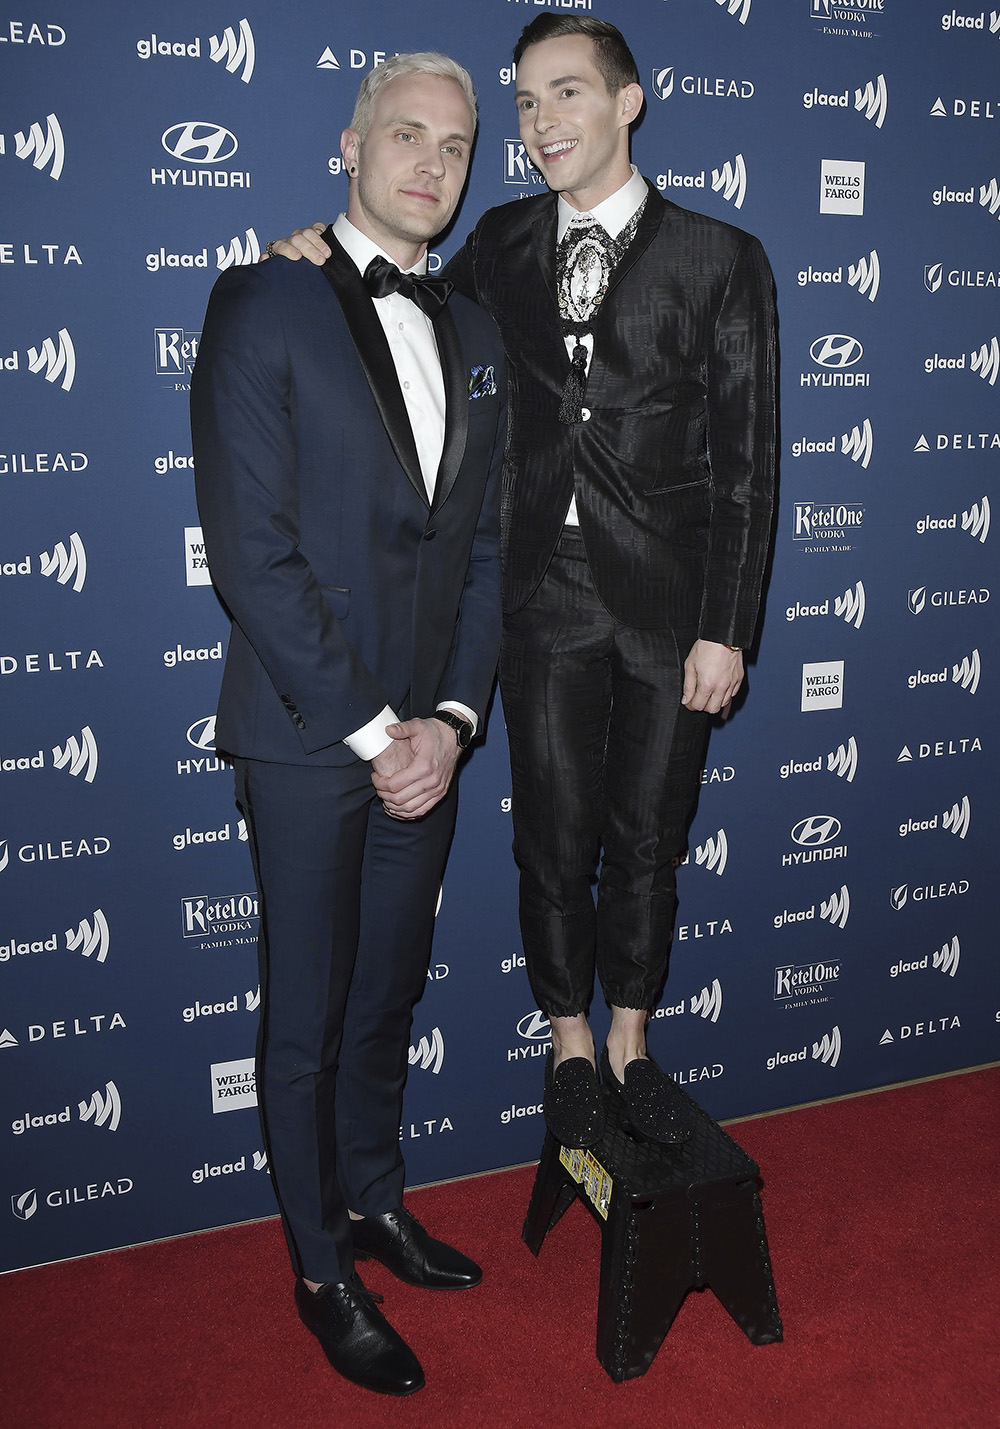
(347,913)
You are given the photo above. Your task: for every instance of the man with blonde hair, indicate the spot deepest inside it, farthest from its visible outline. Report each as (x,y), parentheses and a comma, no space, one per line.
(345,423)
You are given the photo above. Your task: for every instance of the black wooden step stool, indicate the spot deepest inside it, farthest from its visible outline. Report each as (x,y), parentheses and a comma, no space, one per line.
(672,1218)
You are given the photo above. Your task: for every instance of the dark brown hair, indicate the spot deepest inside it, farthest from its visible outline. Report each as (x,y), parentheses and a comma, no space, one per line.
(612,55)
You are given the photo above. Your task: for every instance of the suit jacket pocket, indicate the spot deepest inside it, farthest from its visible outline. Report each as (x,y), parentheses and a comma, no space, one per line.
(338,598)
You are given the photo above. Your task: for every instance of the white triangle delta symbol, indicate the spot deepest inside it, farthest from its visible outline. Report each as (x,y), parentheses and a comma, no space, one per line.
(938,109)
(328,60)
(923,445)
(886,1037)
(904,756)
(7,1039)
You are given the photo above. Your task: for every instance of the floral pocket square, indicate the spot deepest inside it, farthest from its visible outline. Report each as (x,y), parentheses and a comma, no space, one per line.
(482,382)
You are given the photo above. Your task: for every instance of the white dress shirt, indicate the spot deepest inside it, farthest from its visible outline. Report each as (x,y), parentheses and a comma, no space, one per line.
(410,334)
(612,214)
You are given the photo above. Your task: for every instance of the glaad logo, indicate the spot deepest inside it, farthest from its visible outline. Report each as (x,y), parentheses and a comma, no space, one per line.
(65,564)
(956,820)
(989,197)
(428,1054)
(731,179)
(985,361)
(872,100)
(80,755)
(45,148)
(236,48)
(90,937)
(712,855)
(952,20)
(707,1003)
(826,1050)
(843,761)
(966,673)
(864,275)
(103,1110)
(834,910)
(701,85)
(858,444)
(56,364)
(238,254)
(850,607)
(945,960)
(975,521)
(739,9)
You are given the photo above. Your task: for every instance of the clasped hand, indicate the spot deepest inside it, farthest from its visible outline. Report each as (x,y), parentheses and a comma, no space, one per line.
(712,675)
(414,773)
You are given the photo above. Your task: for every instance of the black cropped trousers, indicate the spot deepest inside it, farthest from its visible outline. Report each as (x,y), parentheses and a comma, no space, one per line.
(605,766)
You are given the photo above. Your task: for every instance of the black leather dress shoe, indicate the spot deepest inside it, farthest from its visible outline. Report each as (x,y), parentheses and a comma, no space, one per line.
(399,1241)
(357,1339)
(646,1096)
(571,1104)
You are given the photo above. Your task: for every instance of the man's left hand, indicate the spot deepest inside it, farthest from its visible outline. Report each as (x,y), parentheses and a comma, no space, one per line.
(712,675)
(413,791)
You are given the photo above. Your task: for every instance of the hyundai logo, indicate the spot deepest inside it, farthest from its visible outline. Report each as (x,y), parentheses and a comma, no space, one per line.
(200,143)
(836,349)
(817,830)
(202,733)
(535,1026)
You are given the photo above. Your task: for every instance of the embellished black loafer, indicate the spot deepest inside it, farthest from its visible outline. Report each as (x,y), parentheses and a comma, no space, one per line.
(400,1242)
(645,1096)
(357,1339)
(572,1103)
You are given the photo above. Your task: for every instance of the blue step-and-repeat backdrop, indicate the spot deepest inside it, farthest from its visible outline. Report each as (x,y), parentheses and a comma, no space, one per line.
(837,927)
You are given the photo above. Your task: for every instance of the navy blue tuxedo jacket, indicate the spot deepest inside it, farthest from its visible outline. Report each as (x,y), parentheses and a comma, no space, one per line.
(347,590)
(673,462)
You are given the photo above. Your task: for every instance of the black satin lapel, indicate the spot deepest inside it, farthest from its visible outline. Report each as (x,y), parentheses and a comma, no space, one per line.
(376,359)
(456,396)
(645,231)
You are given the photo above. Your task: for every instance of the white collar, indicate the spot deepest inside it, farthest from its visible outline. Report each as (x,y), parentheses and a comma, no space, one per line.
(362,250)
(612,213)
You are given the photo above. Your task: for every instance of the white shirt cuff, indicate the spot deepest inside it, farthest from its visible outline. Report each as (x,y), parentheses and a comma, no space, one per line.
(372,740)
(470,715)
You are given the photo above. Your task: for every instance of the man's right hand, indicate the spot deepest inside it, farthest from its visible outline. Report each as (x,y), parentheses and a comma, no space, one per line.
(304,243)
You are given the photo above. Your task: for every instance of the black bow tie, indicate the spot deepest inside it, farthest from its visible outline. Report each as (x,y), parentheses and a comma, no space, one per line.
(429,294)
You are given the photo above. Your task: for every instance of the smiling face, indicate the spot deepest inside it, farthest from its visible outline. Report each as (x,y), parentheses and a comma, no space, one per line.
(411,165)
(575,132)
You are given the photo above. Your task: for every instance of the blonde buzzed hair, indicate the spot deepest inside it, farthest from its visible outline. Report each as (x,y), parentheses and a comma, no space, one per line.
(423,62)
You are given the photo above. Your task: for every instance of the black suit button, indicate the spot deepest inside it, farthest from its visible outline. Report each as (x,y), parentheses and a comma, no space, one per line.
(287,700)
(429,535)
(298,721)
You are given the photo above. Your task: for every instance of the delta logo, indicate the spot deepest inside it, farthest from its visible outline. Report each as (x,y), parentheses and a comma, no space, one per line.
(975,521)
(940,749)
(920,1029)
(964,109)
(871,100)
(43,148)
(959,442)
(359,59)
(234,48)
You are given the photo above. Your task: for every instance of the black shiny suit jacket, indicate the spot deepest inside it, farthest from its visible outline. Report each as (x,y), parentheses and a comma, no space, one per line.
(672,461)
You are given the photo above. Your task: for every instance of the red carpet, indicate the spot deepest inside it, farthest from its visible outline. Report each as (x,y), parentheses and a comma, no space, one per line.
(883,1225)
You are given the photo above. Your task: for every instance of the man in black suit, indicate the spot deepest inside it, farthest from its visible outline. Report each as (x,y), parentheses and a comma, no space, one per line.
(345,425)
(636,522)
